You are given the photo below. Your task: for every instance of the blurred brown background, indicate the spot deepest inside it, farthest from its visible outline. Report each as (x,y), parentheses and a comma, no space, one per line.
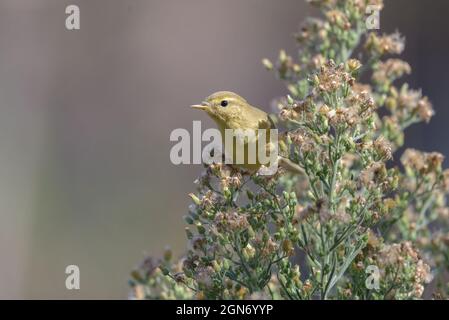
(85,119)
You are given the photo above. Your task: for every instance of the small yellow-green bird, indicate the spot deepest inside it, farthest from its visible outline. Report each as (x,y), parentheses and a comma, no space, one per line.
(231,111)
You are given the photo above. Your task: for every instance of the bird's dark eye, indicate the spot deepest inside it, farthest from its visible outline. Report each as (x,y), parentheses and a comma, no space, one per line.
(224,103)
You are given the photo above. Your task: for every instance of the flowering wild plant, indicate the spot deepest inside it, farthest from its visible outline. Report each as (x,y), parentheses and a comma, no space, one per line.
(356,224)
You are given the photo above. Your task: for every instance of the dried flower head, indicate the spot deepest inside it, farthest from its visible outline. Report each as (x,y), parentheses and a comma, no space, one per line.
(386,44)
(332,77)
(390,70)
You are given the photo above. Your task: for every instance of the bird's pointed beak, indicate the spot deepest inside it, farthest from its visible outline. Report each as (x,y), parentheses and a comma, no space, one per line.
(203,106)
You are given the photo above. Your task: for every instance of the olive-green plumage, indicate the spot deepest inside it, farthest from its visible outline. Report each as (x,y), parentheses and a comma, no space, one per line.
(237,114)
(231,111)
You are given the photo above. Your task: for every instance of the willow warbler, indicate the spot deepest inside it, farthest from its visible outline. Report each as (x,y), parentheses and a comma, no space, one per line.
(231,111)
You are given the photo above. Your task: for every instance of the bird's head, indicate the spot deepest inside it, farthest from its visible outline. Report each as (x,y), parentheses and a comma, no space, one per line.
(224,107)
